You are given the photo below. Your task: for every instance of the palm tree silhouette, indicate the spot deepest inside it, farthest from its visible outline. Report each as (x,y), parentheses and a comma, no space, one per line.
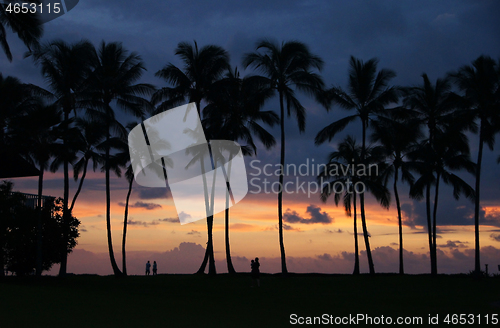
(287,66)
(436,110)
(202,67)
(90,138)
(26,25)
(341,170)
(480,85)
(113,79)
(233,113)
(368,94)
(65,67)
(397,133)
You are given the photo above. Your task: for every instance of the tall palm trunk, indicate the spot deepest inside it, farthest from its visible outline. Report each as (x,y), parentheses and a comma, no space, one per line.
(400,222)
(429,225)
(79,185)
(434,224)
(116,270)
(356,245)
(209,203)
(39,240)
(230,267)
(66,213)
(125,218)
(284,270)
(477,206)
(362,203)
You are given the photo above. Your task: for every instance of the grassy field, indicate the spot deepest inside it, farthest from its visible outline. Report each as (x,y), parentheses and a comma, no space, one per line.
(225,301)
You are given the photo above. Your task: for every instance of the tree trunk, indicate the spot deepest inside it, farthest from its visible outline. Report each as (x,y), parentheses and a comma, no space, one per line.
(434,224)
(362,203)
(80,184)
(356,245)
(284,270)
(365,234)
(400,222)
(230,267)
(477,204)
(116,270)
(429,225)
(66,213)
(39,240)
(209,252)
(125,218)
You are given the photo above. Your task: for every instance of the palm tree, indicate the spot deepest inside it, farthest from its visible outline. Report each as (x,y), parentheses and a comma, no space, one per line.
(202,67)
(287,66)
(113,78)
(368,94)
(341,170)
(65,67)
(233,113)
(448,153)
(90,138)
(397,135)
(435,109)
(480,85)
(26,25)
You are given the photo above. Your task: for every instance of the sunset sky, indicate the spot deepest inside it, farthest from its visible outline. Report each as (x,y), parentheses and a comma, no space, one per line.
(409,37)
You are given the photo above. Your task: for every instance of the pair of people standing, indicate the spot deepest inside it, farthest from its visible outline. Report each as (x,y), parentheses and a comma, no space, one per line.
(255,273)
(148,267)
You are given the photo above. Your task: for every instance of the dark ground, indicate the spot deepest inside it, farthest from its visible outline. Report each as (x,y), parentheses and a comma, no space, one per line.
(227,301)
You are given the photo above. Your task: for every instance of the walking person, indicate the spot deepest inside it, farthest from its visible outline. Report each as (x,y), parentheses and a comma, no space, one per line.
(148,267)
(155,268)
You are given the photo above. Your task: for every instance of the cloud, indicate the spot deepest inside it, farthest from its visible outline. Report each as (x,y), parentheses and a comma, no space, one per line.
(172,220)
(325,257)
(495,236)
(143,223)
(194,232)
(139,204)
(152,193)
(187,257)
(315,216)
(454,244)
(183,215)
(289,228)
(334,231)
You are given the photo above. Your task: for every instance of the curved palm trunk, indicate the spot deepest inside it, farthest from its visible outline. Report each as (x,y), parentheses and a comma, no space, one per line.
(79,185)
(39,240)
(356,245)
(284,270)
(125,218)
(429,225)
(434,223)
(365,235)
(209,252)
(116,270)
(477,204)
(400,222)
(66,212)
(362,203)
(230,267)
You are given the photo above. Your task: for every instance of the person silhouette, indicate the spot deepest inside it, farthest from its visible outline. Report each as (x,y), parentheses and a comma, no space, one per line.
(255,273)
(155,268)
(148,266)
